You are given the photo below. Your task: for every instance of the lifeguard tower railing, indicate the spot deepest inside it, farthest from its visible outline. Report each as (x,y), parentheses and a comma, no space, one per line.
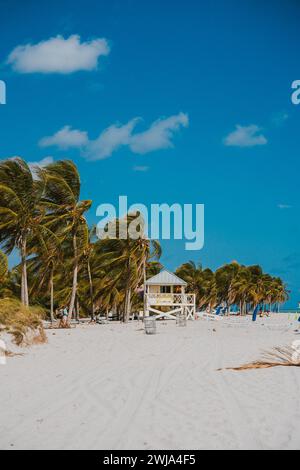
(177,303)
(170,299)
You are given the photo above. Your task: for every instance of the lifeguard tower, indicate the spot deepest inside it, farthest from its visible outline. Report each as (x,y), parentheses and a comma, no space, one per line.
(165,297)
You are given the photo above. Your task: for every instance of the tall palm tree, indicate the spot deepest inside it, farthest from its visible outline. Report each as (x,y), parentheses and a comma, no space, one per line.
(43,265)
(20,210)
(65,211)
(85,292)
(124,261)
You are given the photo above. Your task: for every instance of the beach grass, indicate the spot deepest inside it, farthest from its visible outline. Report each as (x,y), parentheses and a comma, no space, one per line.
(23,323)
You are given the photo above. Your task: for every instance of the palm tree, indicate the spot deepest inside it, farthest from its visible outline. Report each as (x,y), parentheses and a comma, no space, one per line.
(277,292)
(224,277)
(87,255)
(42,267)
(65,212)
(153,268)
(124,262)
(192,274)
(239,288)
(20,210)
(200,281)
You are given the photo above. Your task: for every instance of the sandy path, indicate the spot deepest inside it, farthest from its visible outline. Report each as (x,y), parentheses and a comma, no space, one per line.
(113,387)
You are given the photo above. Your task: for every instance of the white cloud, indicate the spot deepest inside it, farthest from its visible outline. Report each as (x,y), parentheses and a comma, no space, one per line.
(65,138)
(245,136)
(58,55)
(284,206)
(110,140)
(42,163)
(141,168)
(158,136)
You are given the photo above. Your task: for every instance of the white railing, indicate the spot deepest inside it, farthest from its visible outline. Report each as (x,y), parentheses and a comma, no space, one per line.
(170,299)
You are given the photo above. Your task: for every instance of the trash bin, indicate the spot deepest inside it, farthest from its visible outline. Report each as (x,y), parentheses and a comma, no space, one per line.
(150,325)
(181,319)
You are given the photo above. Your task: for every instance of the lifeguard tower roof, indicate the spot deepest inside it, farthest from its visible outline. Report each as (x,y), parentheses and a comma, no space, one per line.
(165,278)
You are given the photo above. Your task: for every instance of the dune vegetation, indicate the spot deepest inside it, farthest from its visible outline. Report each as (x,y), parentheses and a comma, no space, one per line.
(24,323)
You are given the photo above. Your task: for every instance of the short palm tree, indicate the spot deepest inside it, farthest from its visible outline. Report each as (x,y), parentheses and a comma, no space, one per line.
(200,281)
(224,277)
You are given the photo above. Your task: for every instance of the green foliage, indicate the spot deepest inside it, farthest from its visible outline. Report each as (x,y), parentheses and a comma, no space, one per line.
(3,266)
(20,194)
(24,323)
(62,262)
(233,284)
(120,266)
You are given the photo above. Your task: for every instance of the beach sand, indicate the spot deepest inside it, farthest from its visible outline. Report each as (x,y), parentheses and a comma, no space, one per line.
(113,387)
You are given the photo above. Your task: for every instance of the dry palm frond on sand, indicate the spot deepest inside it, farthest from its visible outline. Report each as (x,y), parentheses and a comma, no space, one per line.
(12,354)
(279,356)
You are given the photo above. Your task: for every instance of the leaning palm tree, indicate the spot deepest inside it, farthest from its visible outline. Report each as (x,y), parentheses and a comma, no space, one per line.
(65,212)
(245,287)
(153,267)
(87,253)
(124,261)
(43,266)
(200,281)
(224,276)
(277,292)
(20,210)
(192,274)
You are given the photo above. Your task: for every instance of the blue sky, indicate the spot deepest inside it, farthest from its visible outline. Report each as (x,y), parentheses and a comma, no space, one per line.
(192,71)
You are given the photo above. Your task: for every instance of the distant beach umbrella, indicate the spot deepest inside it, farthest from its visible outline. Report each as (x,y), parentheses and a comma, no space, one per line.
(254,315)
(218,311)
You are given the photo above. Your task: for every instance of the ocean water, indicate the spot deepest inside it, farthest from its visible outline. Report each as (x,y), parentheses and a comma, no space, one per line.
(290,310)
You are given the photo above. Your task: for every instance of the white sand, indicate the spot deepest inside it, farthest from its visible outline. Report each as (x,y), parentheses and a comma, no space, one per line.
(113,387)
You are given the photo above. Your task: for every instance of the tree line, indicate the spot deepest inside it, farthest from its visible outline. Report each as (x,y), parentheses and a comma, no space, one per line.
(62,262)
(233,284)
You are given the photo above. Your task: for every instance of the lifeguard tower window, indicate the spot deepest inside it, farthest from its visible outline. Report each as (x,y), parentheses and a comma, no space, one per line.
(165,289)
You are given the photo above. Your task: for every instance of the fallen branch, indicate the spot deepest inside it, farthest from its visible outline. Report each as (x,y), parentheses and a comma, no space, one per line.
(279,356)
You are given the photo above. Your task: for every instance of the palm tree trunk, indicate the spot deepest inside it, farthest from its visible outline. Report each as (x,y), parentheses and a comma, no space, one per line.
(24,286)
(144,294)
(91,290)
(51,297)
(75,275)
(127,305)
(77,310)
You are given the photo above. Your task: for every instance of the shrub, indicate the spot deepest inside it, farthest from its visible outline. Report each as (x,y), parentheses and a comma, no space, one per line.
(24,323)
